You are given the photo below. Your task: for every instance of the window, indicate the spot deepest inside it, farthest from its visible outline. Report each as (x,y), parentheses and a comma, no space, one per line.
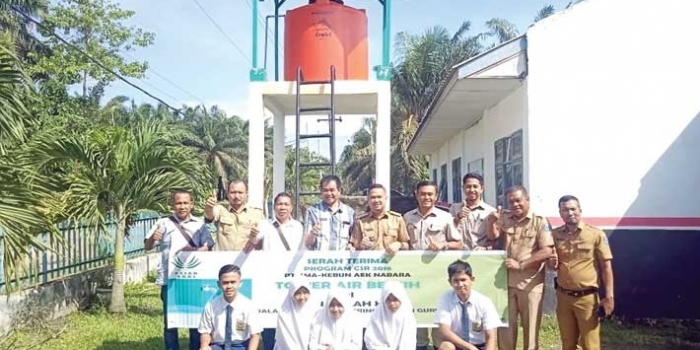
(457,180)
(443,183)
(477,166)
(435,175)
(509,164)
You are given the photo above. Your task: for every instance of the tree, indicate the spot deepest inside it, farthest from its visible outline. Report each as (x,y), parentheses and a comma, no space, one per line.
(119,172)
(95,27)
(544,12)
(18,28)
(501,30)
(358,158)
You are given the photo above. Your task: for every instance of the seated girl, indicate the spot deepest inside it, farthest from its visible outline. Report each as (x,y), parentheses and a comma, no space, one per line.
(392,326)
(295,318)
(337,326)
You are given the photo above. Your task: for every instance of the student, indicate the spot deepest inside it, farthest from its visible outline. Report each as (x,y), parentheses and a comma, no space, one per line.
(230,320)
(337,326)
(295,318)
(467,319)
(392,325)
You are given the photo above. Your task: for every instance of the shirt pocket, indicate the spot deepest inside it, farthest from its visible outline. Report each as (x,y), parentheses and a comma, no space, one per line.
(584,250)
(227,225)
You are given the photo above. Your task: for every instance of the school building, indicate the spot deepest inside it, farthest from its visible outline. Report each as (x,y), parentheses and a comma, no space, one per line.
(601,101)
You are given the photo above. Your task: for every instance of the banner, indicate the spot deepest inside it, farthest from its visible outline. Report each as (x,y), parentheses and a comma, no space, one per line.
(193,278)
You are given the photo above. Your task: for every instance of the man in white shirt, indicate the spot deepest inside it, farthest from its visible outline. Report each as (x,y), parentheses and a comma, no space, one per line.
(281,233)
(470,215)
(178,232)
(230,321)
(467,319)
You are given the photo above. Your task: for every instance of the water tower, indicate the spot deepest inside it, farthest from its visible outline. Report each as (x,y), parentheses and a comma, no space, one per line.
(326,73)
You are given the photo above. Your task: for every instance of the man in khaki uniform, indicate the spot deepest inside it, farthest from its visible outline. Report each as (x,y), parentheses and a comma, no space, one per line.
(234,224)
(581,252)
(430,228)
(379,229)
(470,215)
(527,239)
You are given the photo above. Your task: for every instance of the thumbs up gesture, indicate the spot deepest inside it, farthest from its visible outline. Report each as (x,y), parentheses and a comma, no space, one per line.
(158,234)
(209,206)
(464,212)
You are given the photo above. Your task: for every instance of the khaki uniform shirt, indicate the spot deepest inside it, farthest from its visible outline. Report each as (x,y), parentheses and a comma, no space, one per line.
(578,253)
(437,224)
(523,238)
(473,227)
(233,229)
(377,232)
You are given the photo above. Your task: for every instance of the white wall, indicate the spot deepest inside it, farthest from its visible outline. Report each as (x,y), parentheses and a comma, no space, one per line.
(478,141)
(614,108)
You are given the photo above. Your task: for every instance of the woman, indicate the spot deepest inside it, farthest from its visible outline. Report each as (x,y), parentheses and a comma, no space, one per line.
(295,318)
(392,325)
(337,326)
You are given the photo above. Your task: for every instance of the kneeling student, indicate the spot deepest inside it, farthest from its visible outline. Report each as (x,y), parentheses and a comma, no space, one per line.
(467,319)
(230,321)
(295,318)
(392,325)
(337,325)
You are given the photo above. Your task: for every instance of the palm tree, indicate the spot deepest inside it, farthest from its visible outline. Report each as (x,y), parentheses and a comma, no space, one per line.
(22,205)
(358,158)
(501,30)
(220,141)
(424,62)
(119,172)
(17,27)
(544,12)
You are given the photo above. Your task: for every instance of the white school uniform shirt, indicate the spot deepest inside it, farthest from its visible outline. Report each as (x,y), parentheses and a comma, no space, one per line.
(294,322)
(392,330)
(173,241)
(244,319)
(344,333)
(482,315)
(292,230)
(473,227)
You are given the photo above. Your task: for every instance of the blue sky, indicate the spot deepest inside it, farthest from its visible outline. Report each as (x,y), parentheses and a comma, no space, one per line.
(192,53)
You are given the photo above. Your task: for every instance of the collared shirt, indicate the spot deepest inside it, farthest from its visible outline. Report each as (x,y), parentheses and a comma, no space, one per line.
(473,227)
(436,224)
(244,319)
(292,230)
(335,225)
(377,232)
(578,253)
(173,241)
(523,238)
(233,228)
(482,315)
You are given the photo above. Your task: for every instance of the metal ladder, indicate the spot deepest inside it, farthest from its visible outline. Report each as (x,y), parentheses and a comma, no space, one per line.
(298,166)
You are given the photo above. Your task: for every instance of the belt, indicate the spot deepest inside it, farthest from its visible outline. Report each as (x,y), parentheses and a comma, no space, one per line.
(574,293)
(478,346)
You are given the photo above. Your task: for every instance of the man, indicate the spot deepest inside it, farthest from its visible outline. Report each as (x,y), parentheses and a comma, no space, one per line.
(328,223)
(179,232)
(379,229)
(429,228)
(528,243)
(467,319)
(234,224)
(470,215)
(282,233)
(581,252)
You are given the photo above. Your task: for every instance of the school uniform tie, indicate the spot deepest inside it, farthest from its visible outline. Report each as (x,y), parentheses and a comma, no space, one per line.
(228,337)
(465,322)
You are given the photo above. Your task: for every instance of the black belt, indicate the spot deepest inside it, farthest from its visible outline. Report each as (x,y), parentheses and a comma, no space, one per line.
(575,293)
(478,346)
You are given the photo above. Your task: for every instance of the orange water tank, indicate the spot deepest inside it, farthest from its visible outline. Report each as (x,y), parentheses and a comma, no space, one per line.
(322,34)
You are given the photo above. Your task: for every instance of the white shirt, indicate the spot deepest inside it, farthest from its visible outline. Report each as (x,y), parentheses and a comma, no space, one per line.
(482,315)
(173,241)
(437,224)
(292,230)
(244,319)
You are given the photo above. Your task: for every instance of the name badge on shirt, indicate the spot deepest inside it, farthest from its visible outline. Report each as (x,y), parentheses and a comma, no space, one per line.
(241,325)
(477,327)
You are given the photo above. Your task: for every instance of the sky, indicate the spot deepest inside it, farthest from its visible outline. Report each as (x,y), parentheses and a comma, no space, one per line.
(192,62)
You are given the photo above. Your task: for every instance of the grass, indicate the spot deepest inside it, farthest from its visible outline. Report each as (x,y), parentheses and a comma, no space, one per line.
(141,329)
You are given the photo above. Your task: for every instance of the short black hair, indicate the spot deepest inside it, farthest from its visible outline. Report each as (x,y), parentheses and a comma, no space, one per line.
(374,186)
(283,194)
(228,188)
(228,269)
(328,178)
(476,176)
(517,188)
(567,198)
(427,183)
(182,191)
(457,267)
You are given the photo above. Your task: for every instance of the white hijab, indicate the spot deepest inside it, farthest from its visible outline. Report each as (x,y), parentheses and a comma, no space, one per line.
(392,330)
(294,322)
(344,332)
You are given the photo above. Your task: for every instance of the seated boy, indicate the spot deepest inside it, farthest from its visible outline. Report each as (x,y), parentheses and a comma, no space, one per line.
(230,321)
(467,319)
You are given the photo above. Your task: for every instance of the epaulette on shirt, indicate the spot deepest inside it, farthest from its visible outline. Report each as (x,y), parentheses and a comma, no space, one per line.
(395,213)
(363,215)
